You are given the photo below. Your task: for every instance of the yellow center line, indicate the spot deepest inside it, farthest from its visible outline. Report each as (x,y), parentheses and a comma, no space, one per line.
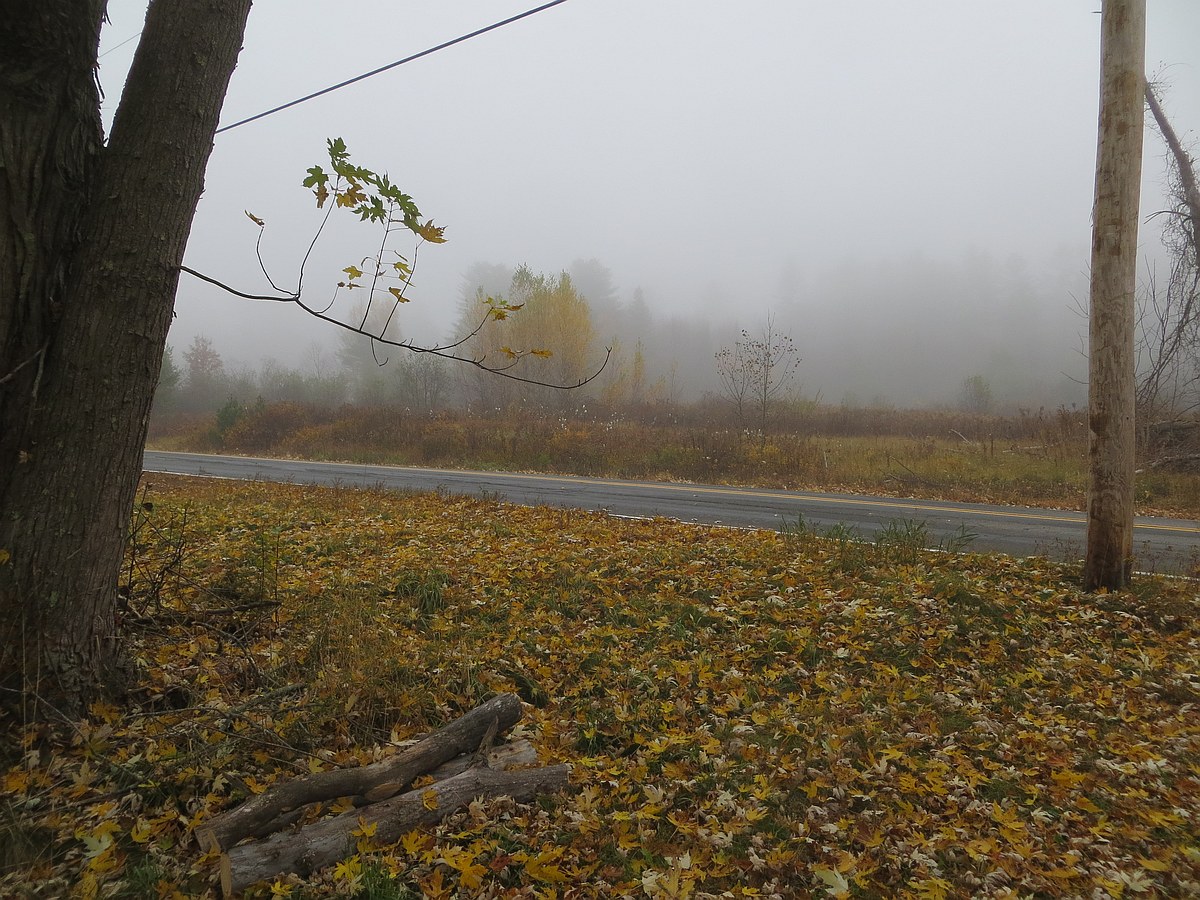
(1053,516)
(1059,516)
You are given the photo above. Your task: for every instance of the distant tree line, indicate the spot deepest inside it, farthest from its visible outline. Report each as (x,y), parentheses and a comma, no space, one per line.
(557,329)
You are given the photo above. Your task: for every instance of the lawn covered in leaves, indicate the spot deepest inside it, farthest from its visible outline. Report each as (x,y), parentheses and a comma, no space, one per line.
(747,713)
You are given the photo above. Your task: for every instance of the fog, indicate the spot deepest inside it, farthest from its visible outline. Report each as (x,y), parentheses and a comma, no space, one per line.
(906,187)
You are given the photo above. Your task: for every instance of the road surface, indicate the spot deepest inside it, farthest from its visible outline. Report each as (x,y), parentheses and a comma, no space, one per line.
(1162,545)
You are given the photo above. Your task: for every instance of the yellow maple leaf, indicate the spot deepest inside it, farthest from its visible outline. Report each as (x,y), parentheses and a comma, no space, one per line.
(429,799)
(141,832)
(434,887)
(980,848)
(365,828)
(1162,817)
(544,866)
(931,888)
(463,861)
(348,869)
(836,884)
(95,844)
(1155,865)
(435,234)
(414,842)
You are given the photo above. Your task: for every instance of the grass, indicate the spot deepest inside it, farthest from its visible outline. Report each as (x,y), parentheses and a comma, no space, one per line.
(746,713)
(1037,460)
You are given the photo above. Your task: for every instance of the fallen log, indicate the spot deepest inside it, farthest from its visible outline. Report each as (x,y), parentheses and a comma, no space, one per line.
(505,756)
(376,781)
(325,842)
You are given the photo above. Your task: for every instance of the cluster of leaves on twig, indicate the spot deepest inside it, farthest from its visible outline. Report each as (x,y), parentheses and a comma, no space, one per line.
(747,713)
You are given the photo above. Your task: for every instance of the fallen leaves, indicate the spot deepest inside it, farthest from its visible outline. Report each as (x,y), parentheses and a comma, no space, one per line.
(747,714)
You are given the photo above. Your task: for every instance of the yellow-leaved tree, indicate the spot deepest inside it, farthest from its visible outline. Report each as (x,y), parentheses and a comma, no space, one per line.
(549,341)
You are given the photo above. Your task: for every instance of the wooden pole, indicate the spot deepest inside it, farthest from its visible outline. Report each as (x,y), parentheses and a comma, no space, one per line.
(1114,272)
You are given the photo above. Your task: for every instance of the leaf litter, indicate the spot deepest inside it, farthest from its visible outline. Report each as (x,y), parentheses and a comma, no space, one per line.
(747,713)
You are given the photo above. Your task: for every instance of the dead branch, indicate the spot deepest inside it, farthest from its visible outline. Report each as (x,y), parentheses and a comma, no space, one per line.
(1183,165)
(325,842)
(373,782)
(507,756)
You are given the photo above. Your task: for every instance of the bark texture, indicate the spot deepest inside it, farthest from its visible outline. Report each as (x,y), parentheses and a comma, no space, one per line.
(91,237)
(1111,382)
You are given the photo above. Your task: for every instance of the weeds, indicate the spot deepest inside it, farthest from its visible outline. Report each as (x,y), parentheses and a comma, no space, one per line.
(957,541)
(900,540)
(426,590)
(796,528)
(903,540)
(155,557)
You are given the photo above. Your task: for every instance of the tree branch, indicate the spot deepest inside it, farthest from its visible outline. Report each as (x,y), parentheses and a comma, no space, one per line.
(439,351)
(1183,164)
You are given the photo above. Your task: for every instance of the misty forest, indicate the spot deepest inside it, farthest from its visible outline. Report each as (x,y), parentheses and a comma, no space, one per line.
(271,687)
(780,402)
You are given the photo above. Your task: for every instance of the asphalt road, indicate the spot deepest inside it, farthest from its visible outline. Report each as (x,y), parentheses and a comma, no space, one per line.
(1163,545)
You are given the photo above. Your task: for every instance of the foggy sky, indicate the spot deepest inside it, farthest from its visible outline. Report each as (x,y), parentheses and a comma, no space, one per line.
(851,166)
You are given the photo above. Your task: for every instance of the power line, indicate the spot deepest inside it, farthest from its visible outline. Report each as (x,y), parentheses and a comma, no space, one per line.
(119,46)
(399,62)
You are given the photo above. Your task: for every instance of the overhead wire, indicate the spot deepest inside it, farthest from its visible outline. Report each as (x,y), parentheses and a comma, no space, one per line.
(119,46)
(392,65)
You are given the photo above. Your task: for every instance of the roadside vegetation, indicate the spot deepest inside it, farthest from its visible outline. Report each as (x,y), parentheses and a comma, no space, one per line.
(747,713)
(1036,458)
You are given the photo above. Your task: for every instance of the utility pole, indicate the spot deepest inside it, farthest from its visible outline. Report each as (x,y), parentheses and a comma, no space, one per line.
(1114,272)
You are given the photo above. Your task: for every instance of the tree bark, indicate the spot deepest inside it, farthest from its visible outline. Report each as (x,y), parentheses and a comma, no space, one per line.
(376,781)
(325,842)
(91,237)
(1111,383)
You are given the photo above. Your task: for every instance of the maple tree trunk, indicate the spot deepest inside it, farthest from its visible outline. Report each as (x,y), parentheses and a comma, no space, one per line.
(91,236)
(329,840)
(1111,381)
